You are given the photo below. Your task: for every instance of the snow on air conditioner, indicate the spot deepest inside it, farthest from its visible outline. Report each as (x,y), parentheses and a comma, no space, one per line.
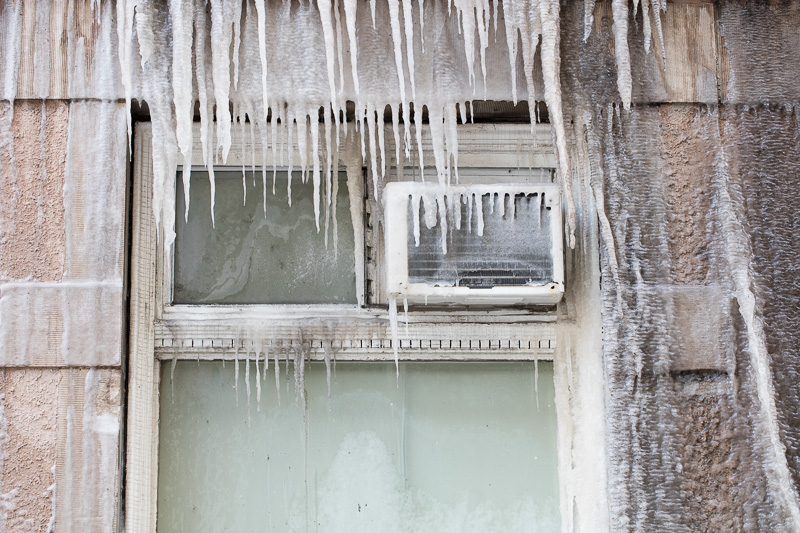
(474,245)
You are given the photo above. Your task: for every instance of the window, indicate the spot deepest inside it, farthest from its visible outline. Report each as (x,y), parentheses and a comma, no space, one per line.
(463,436)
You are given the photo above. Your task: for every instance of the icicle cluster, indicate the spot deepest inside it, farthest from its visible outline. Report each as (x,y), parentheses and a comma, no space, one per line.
(284,67)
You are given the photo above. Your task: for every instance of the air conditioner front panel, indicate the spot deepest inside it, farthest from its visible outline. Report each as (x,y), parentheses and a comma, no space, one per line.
(476,245)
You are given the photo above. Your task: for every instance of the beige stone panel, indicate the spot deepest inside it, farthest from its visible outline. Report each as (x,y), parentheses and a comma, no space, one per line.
(28,435)
(88,451)
(94,190)
(67,49)
(690,47)
(685,68)
(10,31)
(31,185)
(61,324)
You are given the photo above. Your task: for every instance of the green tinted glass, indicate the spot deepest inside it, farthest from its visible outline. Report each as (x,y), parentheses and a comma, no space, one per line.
(449,447)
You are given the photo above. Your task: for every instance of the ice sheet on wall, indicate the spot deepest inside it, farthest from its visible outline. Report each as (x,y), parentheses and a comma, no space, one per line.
(284,65)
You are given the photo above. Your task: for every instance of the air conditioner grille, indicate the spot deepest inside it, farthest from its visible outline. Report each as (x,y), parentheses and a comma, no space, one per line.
(515,248)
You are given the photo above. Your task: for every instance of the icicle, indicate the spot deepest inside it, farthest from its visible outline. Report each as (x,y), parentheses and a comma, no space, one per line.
(328,178)
(422,24)
(326,354)
(418,135)
(479,213)
(182,16)
(350,10)
(396,132)
(511,41)
(483,36)
(394,19)
(273,125)
(334,203)
(381,142)
(455,201)
(206,106)
(405,312)
(339,50)
(409,29)
(429,203)
(395,338)
(258,383)
(536,380)
(451,139)
(441,202)
(236,15)
(247,376)
(466,14)
(290,117)
(277,376)
(261,10)
(325,7)
(221,35)
(370,127)
(415,206)
(470,199)
(436,124)
(302,143)
(619,9)
(236,373)
(315,163)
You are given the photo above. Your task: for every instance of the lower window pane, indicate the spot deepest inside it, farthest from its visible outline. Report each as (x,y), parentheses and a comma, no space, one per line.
(461,447)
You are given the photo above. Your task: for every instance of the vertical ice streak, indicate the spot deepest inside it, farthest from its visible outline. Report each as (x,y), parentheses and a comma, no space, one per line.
(738,252)
(588,18)
(551,64)
(395,336)
(125,17)
(620,28)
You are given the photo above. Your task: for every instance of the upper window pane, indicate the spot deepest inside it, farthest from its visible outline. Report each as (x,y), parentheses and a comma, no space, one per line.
(250,259)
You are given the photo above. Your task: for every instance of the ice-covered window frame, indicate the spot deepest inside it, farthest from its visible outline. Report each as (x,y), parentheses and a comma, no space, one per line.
(163,331)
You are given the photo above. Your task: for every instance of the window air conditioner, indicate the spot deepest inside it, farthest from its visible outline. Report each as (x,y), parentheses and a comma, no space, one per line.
(474,245)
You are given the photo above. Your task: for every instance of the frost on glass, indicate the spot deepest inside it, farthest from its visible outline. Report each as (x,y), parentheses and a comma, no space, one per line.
(250,258)
(450,447)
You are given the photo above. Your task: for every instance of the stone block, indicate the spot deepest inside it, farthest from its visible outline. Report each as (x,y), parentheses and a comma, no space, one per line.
(61,324)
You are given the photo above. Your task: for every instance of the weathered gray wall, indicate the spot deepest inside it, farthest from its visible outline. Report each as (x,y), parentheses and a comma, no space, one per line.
(709,147)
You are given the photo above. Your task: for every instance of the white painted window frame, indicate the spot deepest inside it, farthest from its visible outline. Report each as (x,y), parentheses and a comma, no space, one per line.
(161,331)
